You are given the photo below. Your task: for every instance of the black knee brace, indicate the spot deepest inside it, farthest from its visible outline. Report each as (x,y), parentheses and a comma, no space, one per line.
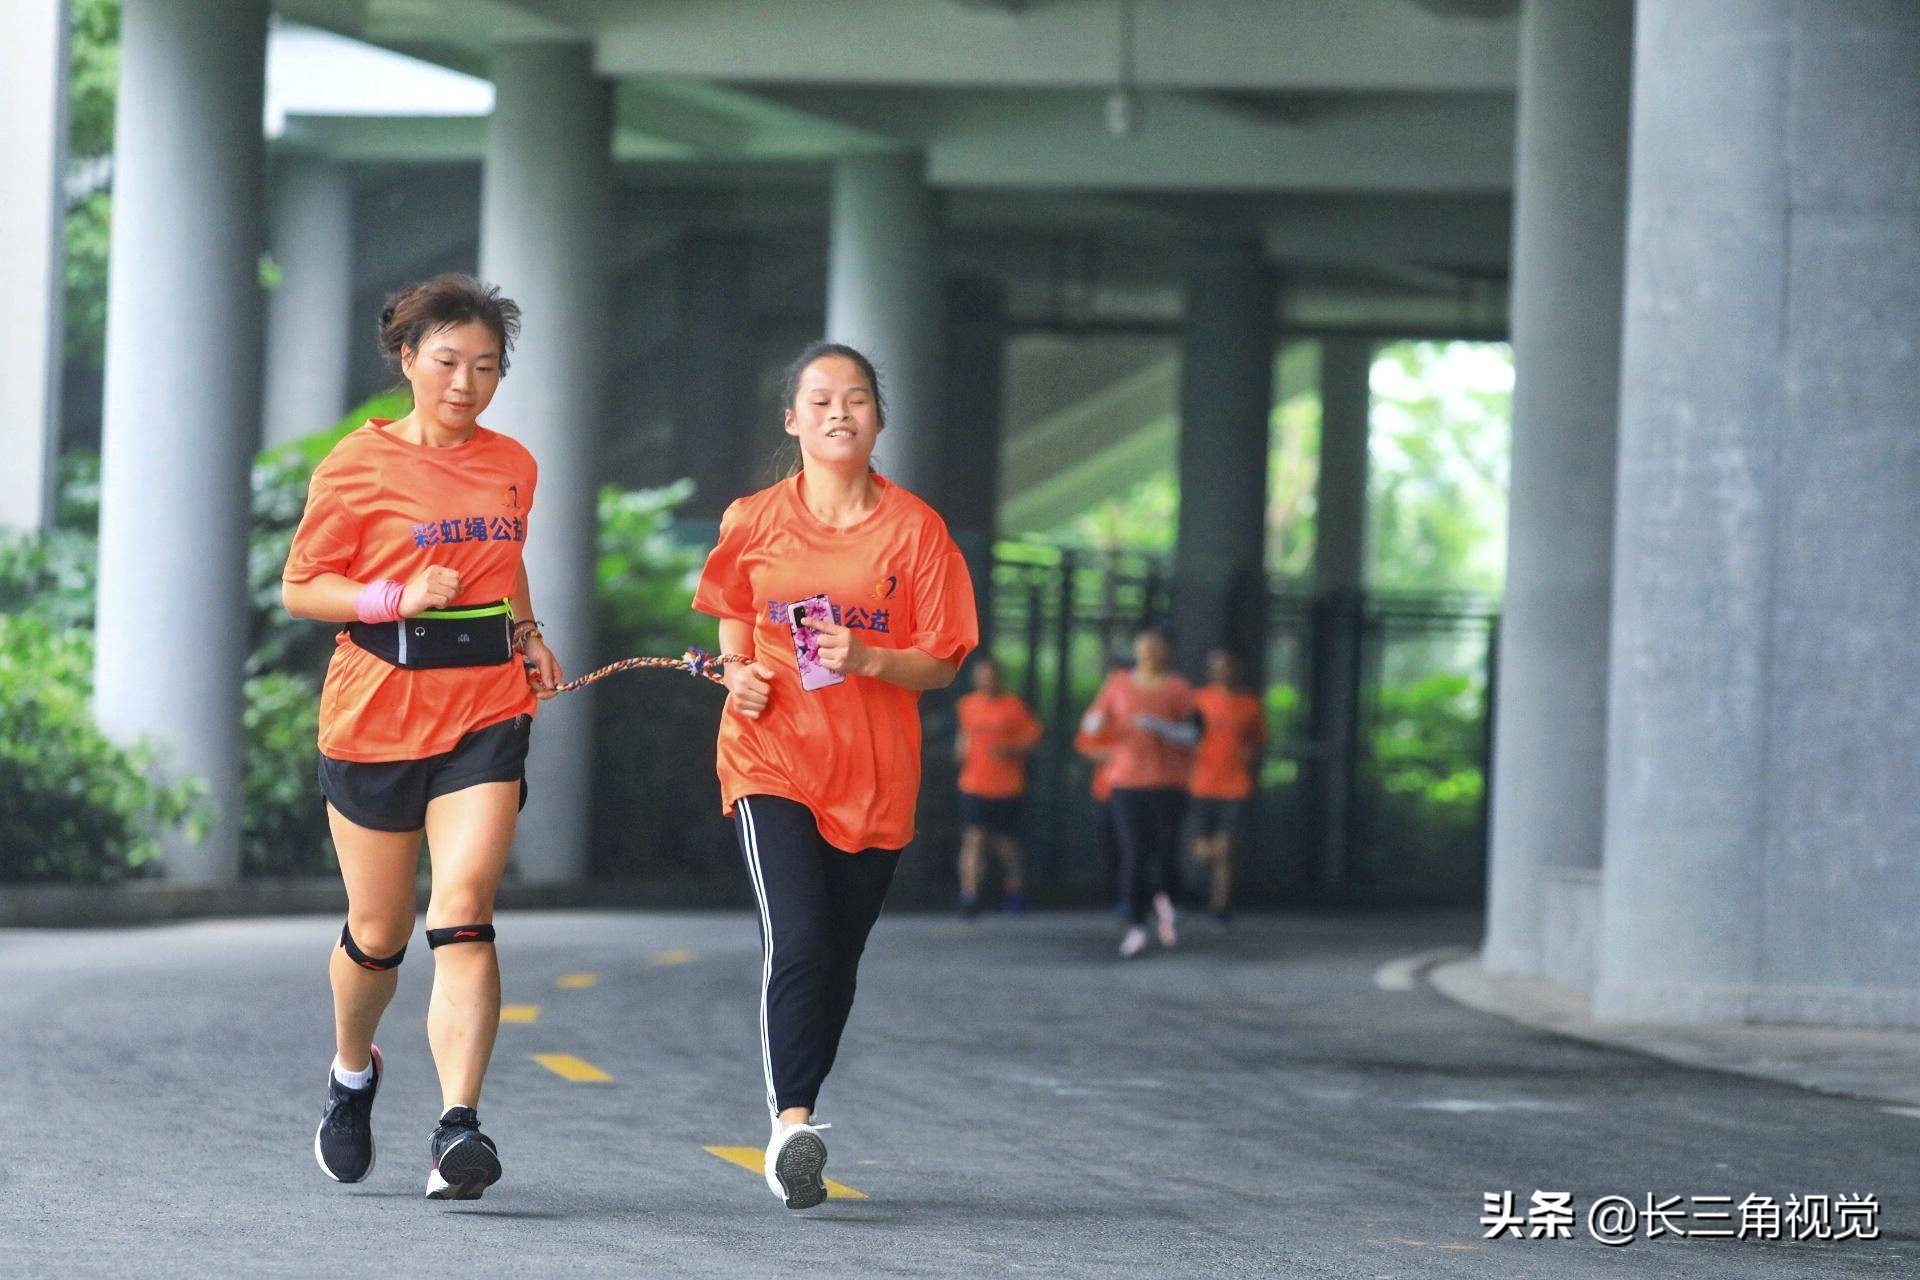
(438,938)
(365,961)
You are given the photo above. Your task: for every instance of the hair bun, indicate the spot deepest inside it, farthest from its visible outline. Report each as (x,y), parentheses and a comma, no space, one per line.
(386,315)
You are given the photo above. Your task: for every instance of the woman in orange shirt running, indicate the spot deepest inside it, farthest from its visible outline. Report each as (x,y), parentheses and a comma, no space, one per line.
(1149,714)
(997,733)
(1234,729)
(849,598)
(412,538)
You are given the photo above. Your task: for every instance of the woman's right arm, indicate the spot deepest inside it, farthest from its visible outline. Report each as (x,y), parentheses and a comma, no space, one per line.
(334,597)
(748,683)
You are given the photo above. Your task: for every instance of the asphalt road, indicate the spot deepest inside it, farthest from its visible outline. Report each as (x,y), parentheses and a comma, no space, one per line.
(1010,1097)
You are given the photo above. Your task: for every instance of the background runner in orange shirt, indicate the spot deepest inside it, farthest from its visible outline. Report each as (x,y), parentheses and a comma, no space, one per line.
(997,733)
(1233,731)
(1095,747)
(821,778)
(423,721)
(1149,715)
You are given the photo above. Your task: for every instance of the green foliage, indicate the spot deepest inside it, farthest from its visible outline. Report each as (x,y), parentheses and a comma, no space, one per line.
(93,65)
(93,82)
(79,807)
(1428,740)
(285,828)
(88,231)
(645,576)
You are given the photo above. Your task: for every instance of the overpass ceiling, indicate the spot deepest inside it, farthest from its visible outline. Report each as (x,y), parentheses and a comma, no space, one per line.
(1368,143)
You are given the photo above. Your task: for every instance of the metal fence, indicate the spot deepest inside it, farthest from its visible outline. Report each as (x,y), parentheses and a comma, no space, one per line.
(1374,784)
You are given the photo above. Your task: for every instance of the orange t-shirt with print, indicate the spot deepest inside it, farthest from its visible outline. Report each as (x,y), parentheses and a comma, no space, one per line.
(850,752)
(1141,759)
(993,724)
(1233,723)
(383,507)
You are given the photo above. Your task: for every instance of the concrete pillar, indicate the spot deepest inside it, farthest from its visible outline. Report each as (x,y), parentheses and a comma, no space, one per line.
(884,297)
(33,138)
(182,413)
(1340,491)
(310,315)
(1763,719)
(975,408)
(723,432)
(1549,740)
(1339,618)
(544,230)
(1228,343)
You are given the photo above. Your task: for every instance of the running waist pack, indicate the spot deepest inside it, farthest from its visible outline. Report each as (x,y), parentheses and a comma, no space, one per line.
(477,637)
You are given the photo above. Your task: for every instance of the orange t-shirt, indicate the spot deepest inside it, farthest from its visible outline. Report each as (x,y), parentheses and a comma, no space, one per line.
(850,752)
(383,507)
(1233,722)
(1102,782)
(1000,721)
(1142,759)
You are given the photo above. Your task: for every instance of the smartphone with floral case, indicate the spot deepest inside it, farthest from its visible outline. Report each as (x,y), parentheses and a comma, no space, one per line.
(806,642)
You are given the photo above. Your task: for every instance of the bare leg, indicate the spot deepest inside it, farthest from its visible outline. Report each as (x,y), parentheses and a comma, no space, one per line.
(469,834)
(378,868)
(971,862)
(1013,878)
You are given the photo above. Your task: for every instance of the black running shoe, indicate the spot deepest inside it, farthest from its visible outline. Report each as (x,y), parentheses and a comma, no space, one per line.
(344,1143)
(465,1161)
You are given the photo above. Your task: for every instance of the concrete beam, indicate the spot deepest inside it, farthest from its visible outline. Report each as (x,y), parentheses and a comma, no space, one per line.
(1379,45)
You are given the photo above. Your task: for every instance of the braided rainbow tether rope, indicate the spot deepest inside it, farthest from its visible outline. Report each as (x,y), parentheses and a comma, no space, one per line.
(695,662)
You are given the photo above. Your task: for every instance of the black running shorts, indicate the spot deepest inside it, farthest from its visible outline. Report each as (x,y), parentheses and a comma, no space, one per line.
(1218,818)
(1001,816)
(393,795)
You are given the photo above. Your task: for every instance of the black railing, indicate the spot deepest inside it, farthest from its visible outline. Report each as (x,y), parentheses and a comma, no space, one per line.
(1373,787)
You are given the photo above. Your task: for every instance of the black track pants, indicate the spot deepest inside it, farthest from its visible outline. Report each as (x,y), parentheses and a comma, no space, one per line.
(1147,820)
(817,905)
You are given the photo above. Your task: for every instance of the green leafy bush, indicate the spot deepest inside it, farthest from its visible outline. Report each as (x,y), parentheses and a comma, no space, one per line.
(79,807)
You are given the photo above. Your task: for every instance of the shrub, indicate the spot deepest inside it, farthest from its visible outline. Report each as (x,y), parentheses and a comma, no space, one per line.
(79,807)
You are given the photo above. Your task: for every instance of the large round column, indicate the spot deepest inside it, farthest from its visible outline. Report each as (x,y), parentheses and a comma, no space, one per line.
(723,434)
(33,147)
(974,405)
(543,239)
(884,297)
(1340,489)
(182,409)
(1549,744)
(1228,341)
(309,314)
(1763,723)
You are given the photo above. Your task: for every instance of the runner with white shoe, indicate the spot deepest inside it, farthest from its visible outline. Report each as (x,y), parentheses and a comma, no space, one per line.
(850,598)
(1150,720)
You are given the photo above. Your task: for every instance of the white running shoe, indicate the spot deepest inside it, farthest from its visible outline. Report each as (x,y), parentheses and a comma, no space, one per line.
(796,1155)
(1163,916)
(1134,943)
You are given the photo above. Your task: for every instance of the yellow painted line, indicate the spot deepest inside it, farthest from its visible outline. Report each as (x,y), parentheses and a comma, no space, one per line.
(679,955)
(754,1160)
(568,1067)
(575,981)
(519,1012)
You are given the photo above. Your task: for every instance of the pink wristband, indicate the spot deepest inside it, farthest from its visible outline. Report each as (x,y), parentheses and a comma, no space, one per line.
(379,601)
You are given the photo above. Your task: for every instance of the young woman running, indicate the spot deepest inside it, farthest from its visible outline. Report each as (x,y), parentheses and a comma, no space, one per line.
(997,733)
(1149,715)
(821,773)
(1234,731)
(412,538)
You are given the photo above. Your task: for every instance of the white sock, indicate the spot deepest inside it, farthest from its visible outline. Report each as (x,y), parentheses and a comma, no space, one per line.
(352,1079)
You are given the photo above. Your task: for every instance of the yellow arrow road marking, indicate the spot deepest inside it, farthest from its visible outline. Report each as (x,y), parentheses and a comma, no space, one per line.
(519,1012)
(575,981)
(754,1159)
